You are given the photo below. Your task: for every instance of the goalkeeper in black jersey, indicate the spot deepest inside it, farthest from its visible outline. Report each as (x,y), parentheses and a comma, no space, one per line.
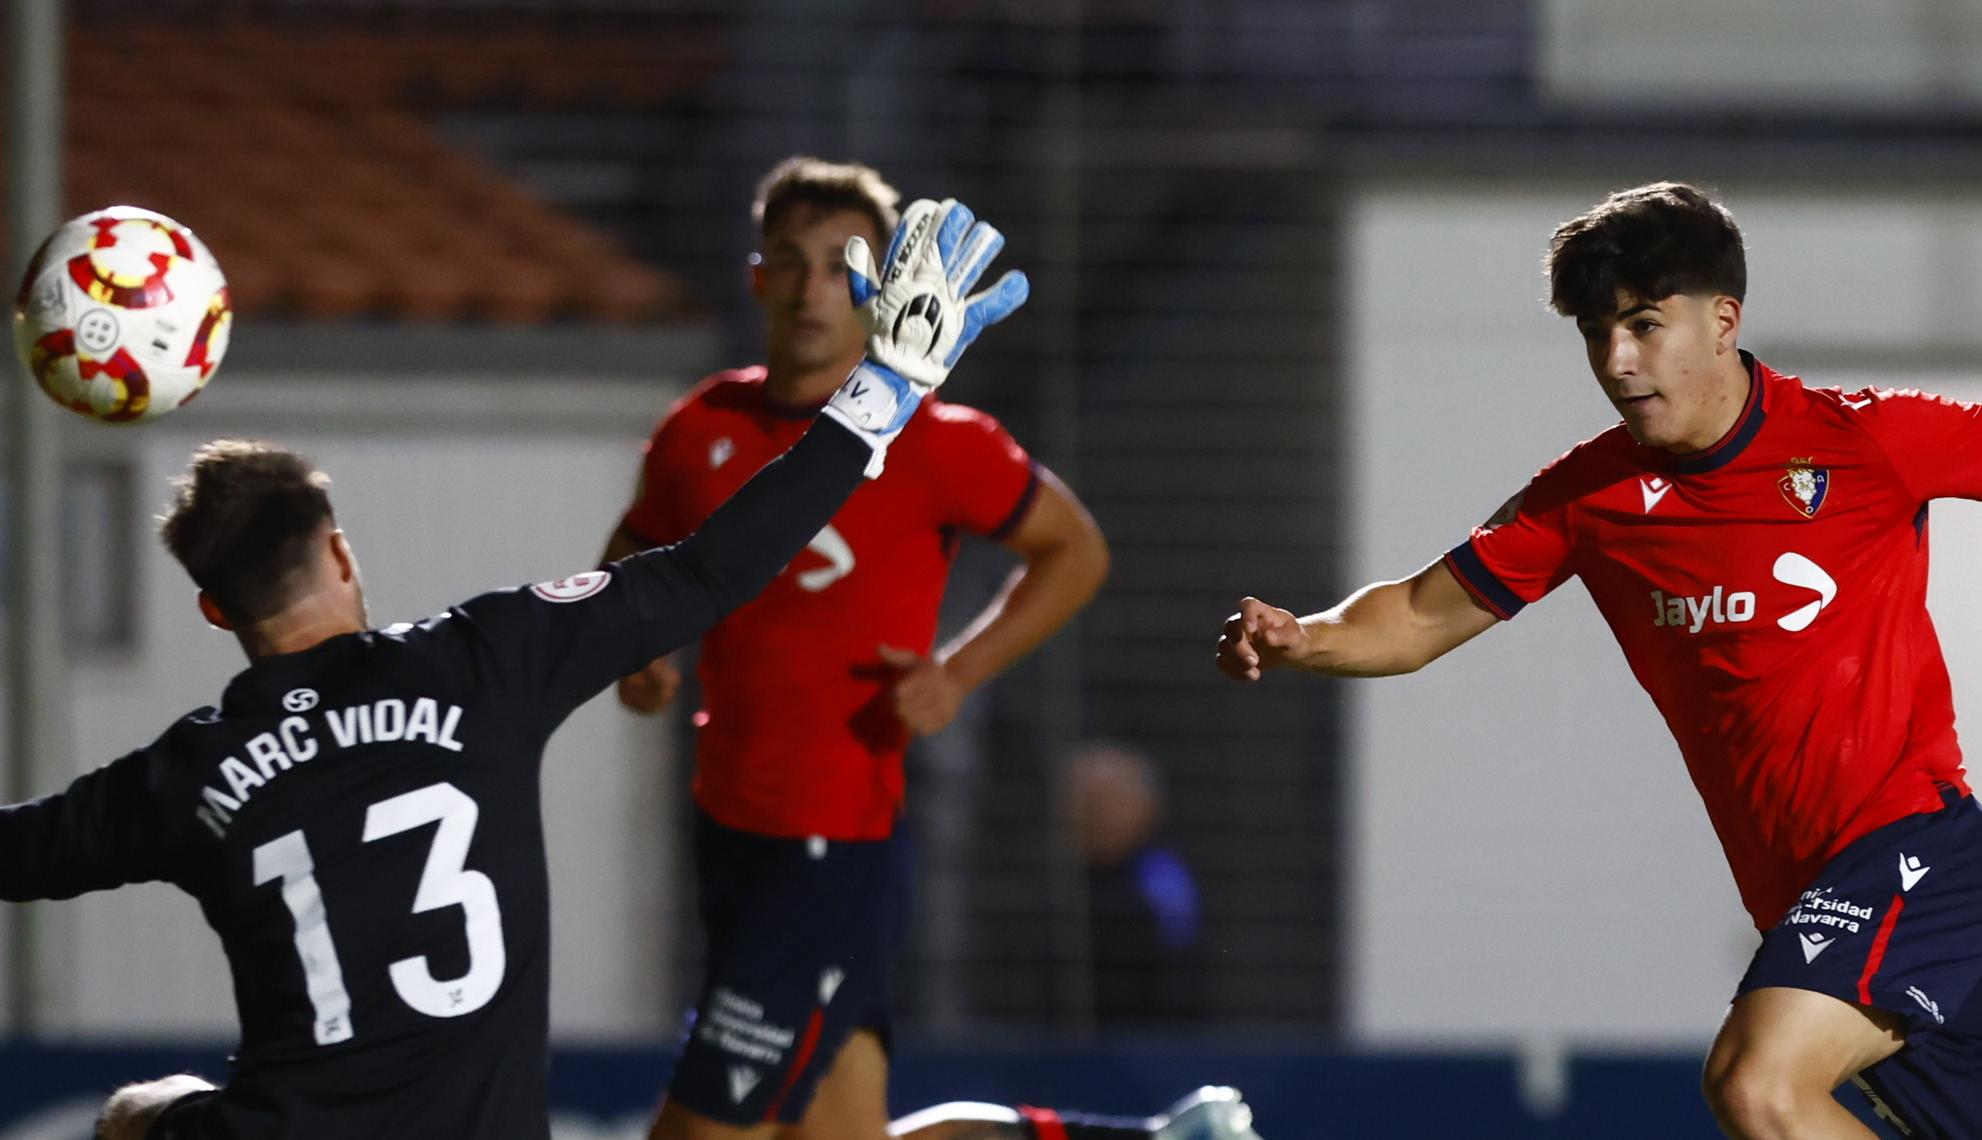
(359,815)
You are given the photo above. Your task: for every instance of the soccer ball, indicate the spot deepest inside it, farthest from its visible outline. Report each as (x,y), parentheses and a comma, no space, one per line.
(123,315)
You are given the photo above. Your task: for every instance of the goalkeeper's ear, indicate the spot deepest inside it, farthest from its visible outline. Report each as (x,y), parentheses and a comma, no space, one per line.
(214,615)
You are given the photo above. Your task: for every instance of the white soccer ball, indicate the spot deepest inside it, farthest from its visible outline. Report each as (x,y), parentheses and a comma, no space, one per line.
(123,315)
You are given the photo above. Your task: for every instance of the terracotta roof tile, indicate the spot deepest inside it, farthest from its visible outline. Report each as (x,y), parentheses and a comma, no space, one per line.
(296,157)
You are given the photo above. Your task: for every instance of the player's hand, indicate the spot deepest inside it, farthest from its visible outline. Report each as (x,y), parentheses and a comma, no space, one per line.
(918,310)
(1257,638)
(926,699)
(651,689)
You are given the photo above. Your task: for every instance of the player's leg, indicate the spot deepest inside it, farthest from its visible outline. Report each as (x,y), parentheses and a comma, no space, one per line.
(676,1121)
(1210,1113)
(133,1111)
(851,1102)
(1781,1054)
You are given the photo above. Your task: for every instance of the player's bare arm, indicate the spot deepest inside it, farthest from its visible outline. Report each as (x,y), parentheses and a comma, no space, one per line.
(1381,630)
(1065,560)
(654,687)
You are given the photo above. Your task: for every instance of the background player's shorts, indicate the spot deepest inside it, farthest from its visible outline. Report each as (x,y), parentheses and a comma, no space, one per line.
(1895,922)
(803,935)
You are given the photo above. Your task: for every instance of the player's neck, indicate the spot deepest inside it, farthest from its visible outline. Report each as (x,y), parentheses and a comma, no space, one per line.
(1730,399)
(305,625)
(791,386)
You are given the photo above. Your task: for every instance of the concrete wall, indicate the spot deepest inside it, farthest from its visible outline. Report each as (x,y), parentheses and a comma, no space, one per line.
(1529,858)
(1854,55)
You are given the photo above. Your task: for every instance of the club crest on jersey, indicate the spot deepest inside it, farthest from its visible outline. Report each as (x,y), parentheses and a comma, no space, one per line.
(1805,487)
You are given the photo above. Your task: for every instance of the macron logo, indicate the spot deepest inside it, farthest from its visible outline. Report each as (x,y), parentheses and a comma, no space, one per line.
(1654,489)
(742,1078)
(1815,944)
(1911,871)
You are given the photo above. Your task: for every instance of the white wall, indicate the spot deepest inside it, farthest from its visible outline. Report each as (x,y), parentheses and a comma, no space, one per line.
(447,488)
(1529,857)
(1784,54)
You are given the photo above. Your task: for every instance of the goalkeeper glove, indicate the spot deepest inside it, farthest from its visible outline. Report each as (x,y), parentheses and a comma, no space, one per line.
(917,315)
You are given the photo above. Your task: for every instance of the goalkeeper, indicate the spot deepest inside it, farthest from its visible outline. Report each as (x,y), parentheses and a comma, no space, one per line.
(392,976)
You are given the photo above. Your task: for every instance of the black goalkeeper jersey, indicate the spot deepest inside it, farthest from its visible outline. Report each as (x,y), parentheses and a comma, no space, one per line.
(360,824)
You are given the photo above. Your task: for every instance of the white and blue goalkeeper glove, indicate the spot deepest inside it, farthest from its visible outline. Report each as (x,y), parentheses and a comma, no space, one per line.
(917,314)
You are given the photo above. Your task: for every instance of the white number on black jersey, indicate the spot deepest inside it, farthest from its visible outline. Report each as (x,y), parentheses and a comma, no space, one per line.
(445,881)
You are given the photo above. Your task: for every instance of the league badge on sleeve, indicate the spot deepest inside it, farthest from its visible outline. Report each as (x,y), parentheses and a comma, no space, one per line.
(575,588)
(1804,487)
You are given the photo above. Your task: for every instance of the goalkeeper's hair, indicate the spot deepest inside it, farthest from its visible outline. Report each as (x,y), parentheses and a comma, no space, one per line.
(1651,241)
(807,181)
(243,523)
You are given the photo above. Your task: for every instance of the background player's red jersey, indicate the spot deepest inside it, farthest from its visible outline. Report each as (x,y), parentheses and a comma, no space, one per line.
(1770,593)
(800,736)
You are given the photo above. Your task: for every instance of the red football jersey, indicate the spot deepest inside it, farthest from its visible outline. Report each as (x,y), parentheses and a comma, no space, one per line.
(1770,593)
(799,735)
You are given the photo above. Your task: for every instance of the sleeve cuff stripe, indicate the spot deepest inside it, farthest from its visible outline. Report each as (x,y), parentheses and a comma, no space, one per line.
(1481,582)
(1004,529)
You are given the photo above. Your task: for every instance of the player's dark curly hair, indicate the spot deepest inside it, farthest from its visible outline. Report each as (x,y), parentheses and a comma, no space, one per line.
(243,523)
(1651,241)
(805,180)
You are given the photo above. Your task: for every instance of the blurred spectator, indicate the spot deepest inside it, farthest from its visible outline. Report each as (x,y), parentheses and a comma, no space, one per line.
(1143,903)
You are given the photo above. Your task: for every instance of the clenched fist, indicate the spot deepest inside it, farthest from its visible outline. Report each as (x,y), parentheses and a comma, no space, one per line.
(1257,638)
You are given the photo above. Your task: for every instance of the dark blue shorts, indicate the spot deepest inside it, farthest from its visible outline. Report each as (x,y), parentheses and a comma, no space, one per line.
(803,936)
(1895,922)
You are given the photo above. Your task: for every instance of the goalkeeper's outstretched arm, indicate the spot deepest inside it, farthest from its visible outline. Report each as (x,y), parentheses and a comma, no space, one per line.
(1380,630)
(102,831)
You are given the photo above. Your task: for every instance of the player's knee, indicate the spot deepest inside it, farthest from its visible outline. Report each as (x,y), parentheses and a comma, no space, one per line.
(1752,1100)
(132,1110)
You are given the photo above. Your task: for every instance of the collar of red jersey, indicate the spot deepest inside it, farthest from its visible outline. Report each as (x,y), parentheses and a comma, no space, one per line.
(1738,437)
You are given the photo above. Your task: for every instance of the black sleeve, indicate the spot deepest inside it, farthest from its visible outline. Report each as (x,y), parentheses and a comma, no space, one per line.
(556,644)
(100,833)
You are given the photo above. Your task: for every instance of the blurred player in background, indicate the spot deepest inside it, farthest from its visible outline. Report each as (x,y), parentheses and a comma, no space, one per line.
(813,692)
(1759,550)
(359,817)
(1144,915)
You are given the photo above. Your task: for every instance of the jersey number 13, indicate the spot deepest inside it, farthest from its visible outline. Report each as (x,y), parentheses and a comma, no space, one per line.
(444,882)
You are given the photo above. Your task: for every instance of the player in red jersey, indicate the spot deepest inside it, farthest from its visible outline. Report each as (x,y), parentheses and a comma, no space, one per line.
(814,690)
(1759,551)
